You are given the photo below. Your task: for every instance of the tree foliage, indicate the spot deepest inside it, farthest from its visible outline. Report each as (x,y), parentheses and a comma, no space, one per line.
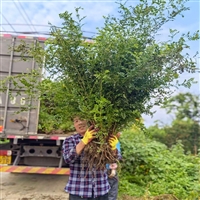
(184,105)
(112,80)
(185,127)
(150,169)
(186,131)
(52,117)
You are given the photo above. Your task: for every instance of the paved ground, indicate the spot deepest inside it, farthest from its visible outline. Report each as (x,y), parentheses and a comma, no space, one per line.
(32,187)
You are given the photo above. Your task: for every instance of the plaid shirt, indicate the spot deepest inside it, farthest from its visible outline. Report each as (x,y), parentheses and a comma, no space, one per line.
(82,182)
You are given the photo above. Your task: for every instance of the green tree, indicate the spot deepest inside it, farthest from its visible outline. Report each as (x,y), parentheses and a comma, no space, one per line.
(111,81)
(186,131)
(184,105)
(185,127)
(52,116)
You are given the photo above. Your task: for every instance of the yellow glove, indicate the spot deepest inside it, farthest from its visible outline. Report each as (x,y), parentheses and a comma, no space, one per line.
(113,142)
(89,135)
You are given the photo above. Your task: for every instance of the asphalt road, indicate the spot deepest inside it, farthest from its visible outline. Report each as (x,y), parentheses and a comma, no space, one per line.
(32,187)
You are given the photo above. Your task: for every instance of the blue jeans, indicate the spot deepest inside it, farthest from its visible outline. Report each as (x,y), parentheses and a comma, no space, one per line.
(113,192)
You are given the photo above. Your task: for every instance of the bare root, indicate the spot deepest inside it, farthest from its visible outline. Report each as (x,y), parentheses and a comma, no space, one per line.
(98,155)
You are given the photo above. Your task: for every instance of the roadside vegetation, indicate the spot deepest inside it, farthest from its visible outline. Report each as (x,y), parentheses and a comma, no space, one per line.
(150,170)
(163,162)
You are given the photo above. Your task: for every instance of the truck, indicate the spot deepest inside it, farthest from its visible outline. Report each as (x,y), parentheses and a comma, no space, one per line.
(22,148)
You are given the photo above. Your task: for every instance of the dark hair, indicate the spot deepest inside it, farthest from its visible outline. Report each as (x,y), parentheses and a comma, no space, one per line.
(72,117)
(79,116)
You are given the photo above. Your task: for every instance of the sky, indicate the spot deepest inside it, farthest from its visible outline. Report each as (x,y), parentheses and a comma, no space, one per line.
(35,16)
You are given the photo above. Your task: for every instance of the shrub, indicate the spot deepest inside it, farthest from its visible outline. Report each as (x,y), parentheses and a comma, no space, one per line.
(148,167)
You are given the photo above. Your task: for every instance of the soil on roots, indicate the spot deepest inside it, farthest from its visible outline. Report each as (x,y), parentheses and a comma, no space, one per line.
(97,155)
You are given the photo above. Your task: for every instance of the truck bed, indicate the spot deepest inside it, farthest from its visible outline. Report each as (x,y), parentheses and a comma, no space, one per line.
(37,136)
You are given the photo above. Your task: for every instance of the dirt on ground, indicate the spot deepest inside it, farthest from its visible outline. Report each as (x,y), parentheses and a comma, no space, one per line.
(32,187)
(14,186)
